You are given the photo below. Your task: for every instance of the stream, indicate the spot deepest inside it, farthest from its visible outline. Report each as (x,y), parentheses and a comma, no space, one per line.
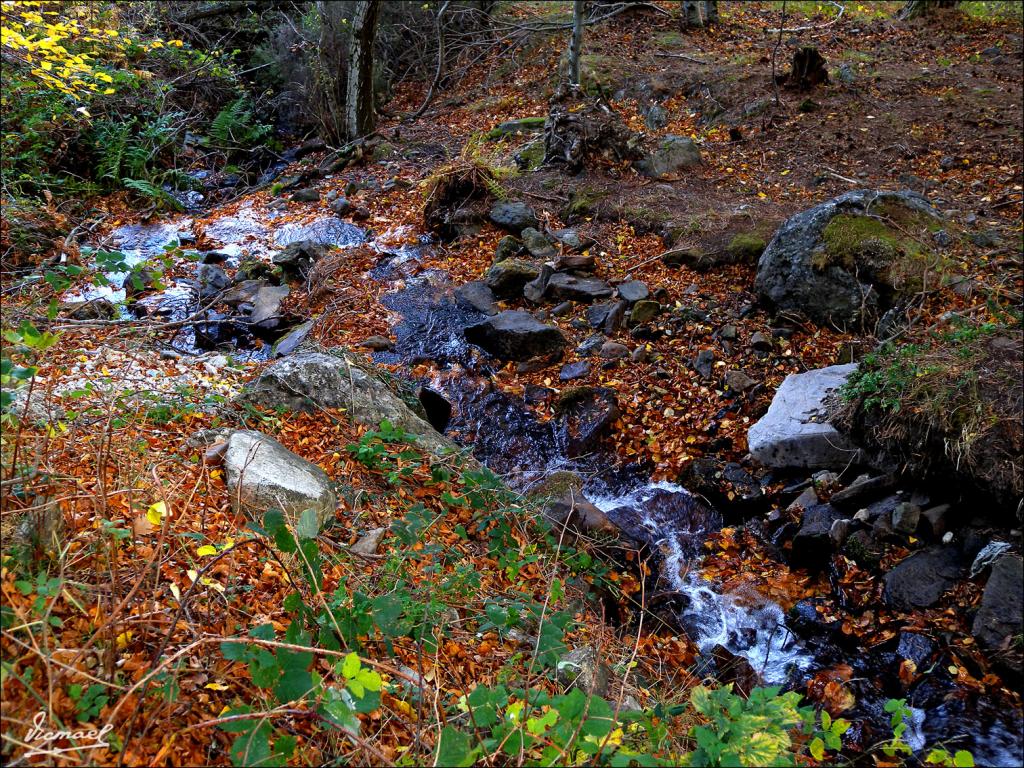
(507,436)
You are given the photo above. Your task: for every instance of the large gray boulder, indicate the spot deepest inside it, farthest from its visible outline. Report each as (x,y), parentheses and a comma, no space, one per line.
(673,154)
(308,381)
(794,432)
(514,335)
(1001,615)
(262,474)
(850,258)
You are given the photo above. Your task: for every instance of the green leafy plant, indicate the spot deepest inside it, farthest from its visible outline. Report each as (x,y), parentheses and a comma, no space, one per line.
(88,702)
(23,349)
(753,731)
(235,127)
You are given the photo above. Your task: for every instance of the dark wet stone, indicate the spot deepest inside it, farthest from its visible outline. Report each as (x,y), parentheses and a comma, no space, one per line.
(575,370)
(861,489)
(562,286)
(905,517)
(515,216)
(590,345)
(689,519)
(291,340)
(633,291)
(538,245)
(571,239)
(1001,615)
(812,545)
(514,335)
(575,262)
(704,363)
(916,647)
(212,280)
(738,381)
(478,296)
(340,206)
(535,289)
(508,278)
(298,257)
(743,484)
(606,317)
(214,257)
(789,275)
(508,247)
(586,414)
(308,195)
(760,342)
(935,519)
(563,309)
(921,579)
(243,292)
(735,670)
(534,394)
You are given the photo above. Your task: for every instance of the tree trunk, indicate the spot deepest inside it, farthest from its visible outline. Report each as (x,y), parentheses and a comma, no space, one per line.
(699,13)
(576,42)
(914,8)
(359,112)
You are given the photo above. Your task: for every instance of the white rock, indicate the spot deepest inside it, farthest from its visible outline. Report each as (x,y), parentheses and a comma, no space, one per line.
(262,474)
(793,433)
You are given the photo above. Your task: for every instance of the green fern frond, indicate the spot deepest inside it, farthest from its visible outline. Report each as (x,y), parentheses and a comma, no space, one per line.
(151,191)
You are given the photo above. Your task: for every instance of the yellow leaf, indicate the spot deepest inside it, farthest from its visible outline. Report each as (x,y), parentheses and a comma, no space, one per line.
(212,584)
(192,574)
(175,591)
(205,550)
(217,686)
(156,512)
(123,638)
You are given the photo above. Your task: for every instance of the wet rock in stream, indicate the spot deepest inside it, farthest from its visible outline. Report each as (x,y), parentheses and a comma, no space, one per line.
(515,335)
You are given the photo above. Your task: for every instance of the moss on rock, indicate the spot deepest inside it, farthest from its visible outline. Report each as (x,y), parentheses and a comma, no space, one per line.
(746,247)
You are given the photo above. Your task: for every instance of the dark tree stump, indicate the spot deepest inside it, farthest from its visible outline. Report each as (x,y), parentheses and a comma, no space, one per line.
(809,69)
(574,135)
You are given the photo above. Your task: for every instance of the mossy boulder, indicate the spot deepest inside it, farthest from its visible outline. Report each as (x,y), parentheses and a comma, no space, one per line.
(672,155)
(848,260)
(583,201)
(508,277)
(530,156)
(599,75)
(516,127)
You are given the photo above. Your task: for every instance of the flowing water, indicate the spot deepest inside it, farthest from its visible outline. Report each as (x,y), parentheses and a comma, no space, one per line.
(508,436)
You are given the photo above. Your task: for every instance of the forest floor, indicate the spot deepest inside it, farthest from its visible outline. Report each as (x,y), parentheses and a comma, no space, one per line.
(908,112)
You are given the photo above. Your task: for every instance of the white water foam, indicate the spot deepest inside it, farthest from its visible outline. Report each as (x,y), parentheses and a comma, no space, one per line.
(743,622)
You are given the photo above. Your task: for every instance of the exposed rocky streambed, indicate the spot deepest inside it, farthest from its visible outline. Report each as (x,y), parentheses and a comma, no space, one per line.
(230,299)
